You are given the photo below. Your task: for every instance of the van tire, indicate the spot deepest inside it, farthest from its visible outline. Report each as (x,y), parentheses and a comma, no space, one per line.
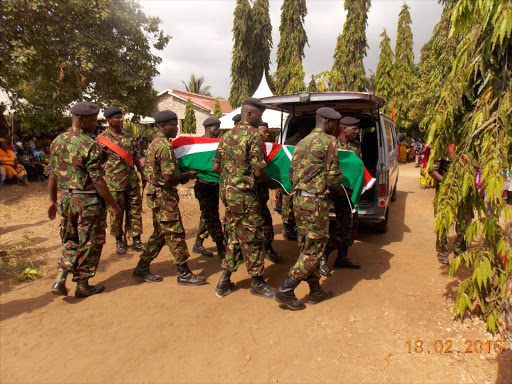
(393,196)
(382,227)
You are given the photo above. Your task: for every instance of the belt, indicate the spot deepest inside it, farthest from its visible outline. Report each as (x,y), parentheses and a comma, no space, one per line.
(318,195)
(207,182)
(76,191)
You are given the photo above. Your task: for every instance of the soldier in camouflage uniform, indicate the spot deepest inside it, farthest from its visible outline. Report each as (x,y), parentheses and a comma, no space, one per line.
(343,230)
(264,197)
(122,180)
(240,161)
(76,170)
(463,217)
(162,173)
(207,194)
(290,228)
(314,169)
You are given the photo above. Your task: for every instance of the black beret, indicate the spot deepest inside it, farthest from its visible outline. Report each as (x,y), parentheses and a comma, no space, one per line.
(237,118)
(263,124)
(85,108)
(349,121)
(112,111)
(328,113)
(164,116)
(211,121)
(256,103)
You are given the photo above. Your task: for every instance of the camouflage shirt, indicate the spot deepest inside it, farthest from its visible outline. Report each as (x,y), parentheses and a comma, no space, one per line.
(315,165)
(354,146)
(293,140)
(118,173)
(160,161)
(75,160)
(241,153)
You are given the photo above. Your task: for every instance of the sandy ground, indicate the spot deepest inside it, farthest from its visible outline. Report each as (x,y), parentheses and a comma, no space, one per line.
(165,333)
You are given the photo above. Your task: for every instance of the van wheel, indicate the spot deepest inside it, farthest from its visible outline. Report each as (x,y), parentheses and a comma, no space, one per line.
(393,196)
(382,227)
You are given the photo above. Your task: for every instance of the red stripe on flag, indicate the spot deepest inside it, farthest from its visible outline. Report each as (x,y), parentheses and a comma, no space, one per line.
(186,140)
(275,148)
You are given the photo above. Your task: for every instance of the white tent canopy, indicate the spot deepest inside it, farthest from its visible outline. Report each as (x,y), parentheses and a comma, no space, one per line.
(270,116)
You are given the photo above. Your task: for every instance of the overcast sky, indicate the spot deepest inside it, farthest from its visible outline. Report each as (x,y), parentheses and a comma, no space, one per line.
(202,38)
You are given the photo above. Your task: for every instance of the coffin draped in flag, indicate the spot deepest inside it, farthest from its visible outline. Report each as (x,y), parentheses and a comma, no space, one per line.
(196,153)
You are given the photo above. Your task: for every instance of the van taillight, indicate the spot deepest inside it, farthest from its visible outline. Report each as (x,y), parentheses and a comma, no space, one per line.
(383,183)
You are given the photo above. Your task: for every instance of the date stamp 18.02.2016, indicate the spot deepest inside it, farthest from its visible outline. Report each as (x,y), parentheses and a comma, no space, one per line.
(447,346)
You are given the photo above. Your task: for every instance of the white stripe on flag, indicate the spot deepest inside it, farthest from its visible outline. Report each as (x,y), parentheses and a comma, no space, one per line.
(195,148)
(287,152)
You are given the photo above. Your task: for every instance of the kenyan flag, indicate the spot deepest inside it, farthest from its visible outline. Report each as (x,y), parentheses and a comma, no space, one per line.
(196,153)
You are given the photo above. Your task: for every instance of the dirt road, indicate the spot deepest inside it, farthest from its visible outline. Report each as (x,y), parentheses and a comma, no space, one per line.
(167,333)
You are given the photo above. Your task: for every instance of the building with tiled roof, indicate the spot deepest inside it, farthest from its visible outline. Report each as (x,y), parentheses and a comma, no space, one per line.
(176,100)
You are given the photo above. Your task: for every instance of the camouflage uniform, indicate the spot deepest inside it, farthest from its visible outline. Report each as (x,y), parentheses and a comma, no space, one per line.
(314,168)
(462,220)
(264,197)
(76,161)
(123,184)
(287,201)
(343,230)
(241,154)
(163,201)
(209,222)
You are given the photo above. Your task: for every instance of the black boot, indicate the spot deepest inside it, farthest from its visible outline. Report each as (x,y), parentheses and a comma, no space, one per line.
(324,262)
(316,293)
(186,277)
(285,295)
(260,288)
(290,232)
(225,285)
(59,287)
(271,254)
(342,260)
(83,289)
(138,245)
(221,249)
(199,248)
(142,272)
(120,247)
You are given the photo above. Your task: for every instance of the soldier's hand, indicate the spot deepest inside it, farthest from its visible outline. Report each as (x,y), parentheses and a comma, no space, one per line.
(117,212)
(192,174)
(52,211)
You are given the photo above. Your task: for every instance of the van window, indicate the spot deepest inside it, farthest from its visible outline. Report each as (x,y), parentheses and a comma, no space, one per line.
(389,135)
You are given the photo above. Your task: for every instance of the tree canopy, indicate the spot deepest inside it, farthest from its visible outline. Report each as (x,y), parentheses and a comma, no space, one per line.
(196,85)
(217,111)
(189,124)
(55,53)
(351,48)
(289,77)
(403,72)
(262,36)
(473,111)
(384,75)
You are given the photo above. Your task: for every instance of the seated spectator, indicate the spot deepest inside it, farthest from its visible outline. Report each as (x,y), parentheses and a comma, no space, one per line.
(9,162)
(44,160)
(27,159)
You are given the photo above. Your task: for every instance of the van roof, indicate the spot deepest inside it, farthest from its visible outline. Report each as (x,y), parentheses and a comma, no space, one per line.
(308,102)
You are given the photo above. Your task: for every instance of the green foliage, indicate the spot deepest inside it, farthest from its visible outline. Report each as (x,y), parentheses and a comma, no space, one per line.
(384,75)
(55,53)
(289,77)
(403,71)
(196,85)
(242,61)
(131,127)
(474,112)
(262,36)
(351,48)
(312,87)
(189,125)
(217,111)
(17,260)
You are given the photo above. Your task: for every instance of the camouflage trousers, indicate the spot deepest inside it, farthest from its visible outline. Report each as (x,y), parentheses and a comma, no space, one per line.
(167,227)
(312,217)
(264,197)
(287,209)
(130,202)
(82,230)
(342,230)
(462,221)
(244,227)
(209,222)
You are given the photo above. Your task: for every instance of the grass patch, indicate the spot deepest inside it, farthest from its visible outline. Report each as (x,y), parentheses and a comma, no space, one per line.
(17,263)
